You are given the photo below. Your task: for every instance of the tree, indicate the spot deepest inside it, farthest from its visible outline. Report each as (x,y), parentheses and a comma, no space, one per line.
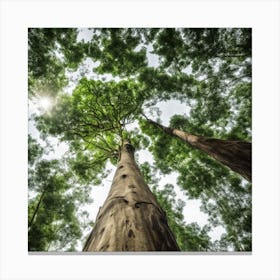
(232,153)
(103,137)
(53,217)
(130,219)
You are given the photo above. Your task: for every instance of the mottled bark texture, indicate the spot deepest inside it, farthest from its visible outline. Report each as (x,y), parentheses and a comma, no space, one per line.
(237,155)
(130,219)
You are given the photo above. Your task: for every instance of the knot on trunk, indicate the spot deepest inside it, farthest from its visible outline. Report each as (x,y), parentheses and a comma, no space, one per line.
(128,147)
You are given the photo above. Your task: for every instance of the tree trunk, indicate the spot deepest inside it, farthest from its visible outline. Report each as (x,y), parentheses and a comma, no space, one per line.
(237,155)
(36,210)
(130,219)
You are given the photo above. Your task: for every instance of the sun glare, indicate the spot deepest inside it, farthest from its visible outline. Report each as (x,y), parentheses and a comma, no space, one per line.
(45,103)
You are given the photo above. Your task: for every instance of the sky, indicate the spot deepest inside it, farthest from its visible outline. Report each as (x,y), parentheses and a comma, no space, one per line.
(99,193)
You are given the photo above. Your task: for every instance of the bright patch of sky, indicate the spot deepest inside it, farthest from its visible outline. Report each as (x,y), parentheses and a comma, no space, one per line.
(58,53)
(187,70)
(153,59)
(170,109)
(85,34)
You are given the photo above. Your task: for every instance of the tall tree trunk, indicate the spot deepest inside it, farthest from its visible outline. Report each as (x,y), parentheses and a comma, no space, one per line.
(36,210)
(130,219)
(237,155)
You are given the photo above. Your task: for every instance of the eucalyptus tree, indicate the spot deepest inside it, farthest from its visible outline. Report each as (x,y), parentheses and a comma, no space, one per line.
(237,155)
(130,218)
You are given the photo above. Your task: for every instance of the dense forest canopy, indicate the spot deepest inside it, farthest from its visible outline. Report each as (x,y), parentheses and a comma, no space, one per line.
(92,89)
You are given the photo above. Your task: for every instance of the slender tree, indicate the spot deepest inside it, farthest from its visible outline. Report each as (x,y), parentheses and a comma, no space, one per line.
(54,216)
(237,155)
(130,219)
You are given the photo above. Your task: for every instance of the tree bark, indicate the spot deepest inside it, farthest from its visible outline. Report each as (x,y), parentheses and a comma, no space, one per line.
(130,219)
(237,155)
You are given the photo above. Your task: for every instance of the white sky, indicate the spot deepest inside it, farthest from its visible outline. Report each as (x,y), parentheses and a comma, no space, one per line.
(99,193)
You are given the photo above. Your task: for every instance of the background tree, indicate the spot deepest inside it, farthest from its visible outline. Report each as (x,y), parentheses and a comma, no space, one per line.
(54,219)
(237,155)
